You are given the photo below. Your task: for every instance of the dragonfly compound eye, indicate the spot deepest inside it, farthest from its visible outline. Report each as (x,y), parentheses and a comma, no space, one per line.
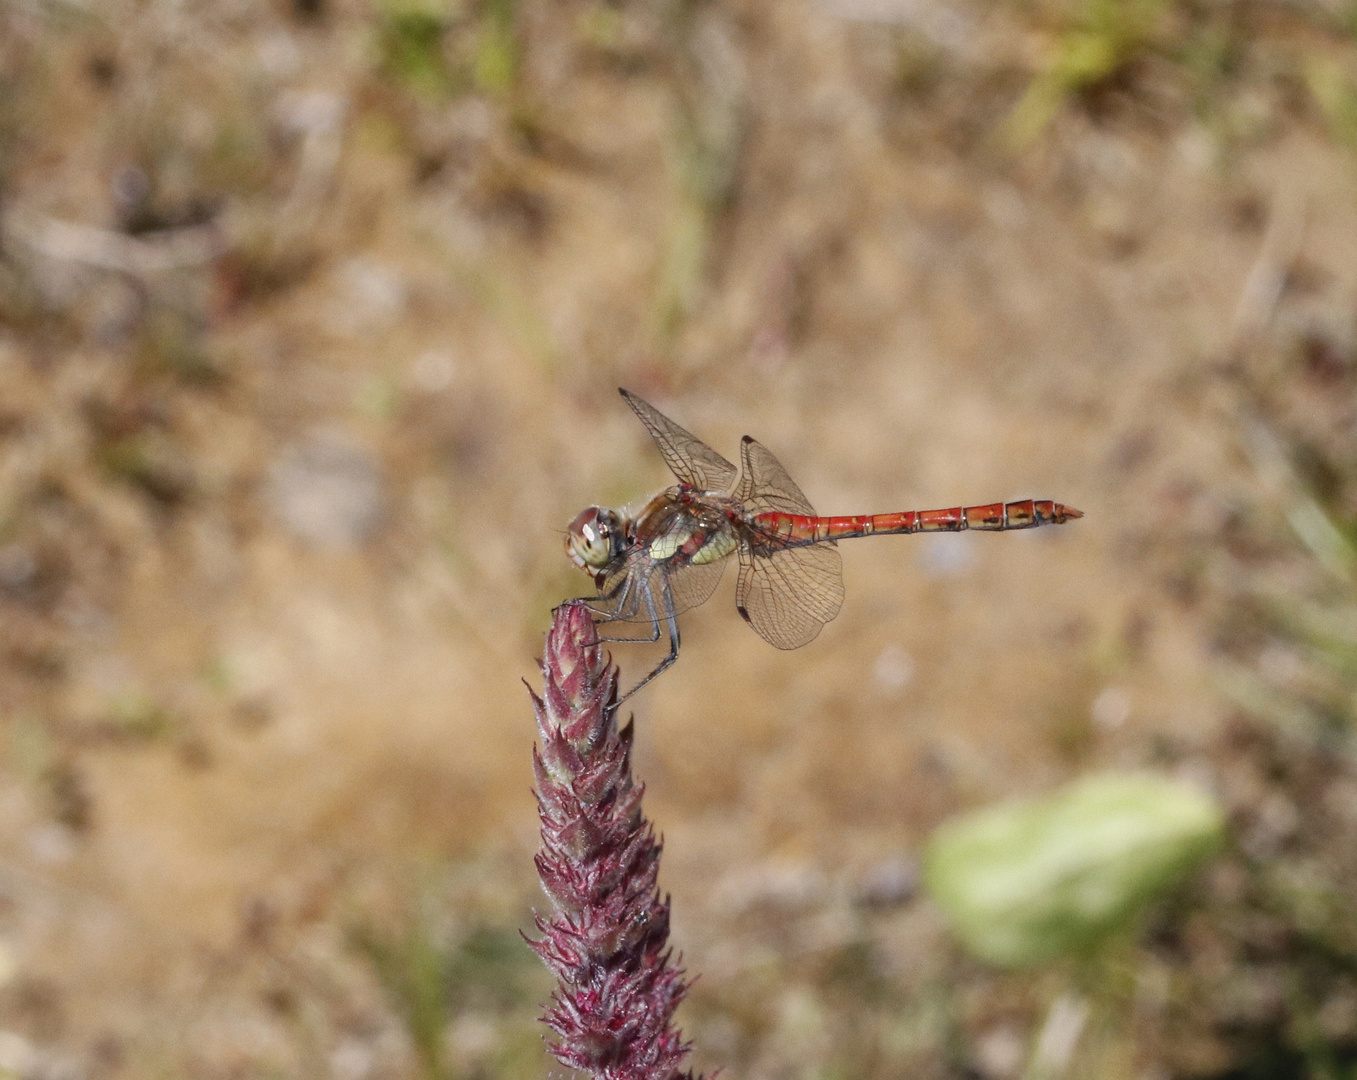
(591,538)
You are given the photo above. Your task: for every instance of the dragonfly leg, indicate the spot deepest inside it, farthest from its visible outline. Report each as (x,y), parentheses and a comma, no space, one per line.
(622,599)
(650,607)
(654,635)
(671,621)
(615,598)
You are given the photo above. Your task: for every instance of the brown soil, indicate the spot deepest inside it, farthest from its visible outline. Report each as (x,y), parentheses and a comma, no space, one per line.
(281,512)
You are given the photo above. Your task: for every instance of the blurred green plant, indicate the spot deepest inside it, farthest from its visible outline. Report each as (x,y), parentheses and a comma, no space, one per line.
(410,46)
(1331,86)
(151,462)
(496,65)
(171,341)
(600,27)
(412,966)
(504,297)
(11,126)
(31,748)
(1308,686)
(710,132)
(433,972)
(140,717)
(1026,882)
(1205,49)
(1287,658)
(1106,36)
(683,260)
(438,49)
(379,398)
(1213,59)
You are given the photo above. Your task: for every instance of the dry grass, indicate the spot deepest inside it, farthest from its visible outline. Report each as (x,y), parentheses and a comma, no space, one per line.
(264,808)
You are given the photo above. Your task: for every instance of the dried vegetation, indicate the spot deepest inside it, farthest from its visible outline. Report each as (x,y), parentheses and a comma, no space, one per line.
(310,318)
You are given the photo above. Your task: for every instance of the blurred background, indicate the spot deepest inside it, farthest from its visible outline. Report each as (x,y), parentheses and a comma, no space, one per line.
(312,314)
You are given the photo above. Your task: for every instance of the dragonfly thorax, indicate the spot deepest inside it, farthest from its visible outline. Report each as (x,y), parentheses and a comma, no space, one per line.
(595,538)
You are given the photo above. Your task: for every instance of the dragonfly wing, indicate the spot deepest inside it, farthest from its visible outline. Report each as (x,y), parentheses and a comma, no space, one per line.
(788,594)
(765,485)
(688,457)
(785,593)
(691,585)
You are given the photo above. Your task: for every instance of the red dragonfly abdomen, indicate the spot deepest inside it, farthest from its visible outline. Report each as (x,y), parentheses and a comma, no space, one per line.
(992,517)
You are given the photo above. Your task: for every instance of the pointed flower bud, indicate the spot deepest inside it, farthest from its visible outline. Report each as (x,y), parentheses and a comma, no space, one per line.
(607,939)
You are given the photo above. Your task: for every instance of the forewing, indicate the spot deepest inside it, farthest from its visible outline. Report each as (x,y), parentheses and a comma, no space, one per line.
(765,485)
(788,594)
(688,457)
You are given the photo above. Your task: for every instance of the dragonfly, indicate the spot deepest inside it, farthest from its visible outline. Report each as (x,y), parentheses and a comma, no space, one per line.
(652,565)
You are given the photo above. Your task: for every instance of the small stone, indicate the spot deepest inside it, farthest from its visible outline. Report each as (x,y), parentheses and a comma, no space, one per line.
(51,844)
(945,555)
(1338,1015)
(1276,821)
(890,883)
(353,1059)
(17,1055)
(368,297)
(894,668)
(327,490)
(788,886)
(9,963)
(1340,799)
(18,568)
(433,372)
(1111,708)
(998,1053)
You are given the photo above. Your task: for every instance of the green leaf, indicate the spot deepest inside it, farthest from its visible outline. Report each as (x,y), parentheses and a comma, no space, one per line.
(1026,882)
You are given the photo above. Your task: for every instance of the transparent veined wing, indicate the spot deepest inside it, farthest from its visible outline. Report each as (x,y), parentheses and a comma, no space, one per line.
(688,457)
(787,594)
(691,586)
(765,485)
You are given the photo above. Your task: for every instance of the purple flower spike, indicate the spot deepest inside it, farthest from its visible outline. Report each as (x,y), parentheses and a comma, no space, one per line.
(607,940)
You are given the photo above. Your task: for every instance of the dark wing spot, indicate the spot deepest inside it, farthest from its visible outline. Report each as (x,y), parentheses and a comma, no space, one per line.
(743,613)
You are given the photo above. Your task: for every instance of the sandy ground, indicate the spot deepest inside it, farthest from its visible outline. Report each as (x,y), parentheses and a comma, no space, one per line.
(308,352)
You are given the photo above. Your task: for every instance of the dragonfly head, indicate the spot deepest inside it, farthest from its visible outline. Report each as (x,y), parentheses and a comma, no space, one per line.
(594,538)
